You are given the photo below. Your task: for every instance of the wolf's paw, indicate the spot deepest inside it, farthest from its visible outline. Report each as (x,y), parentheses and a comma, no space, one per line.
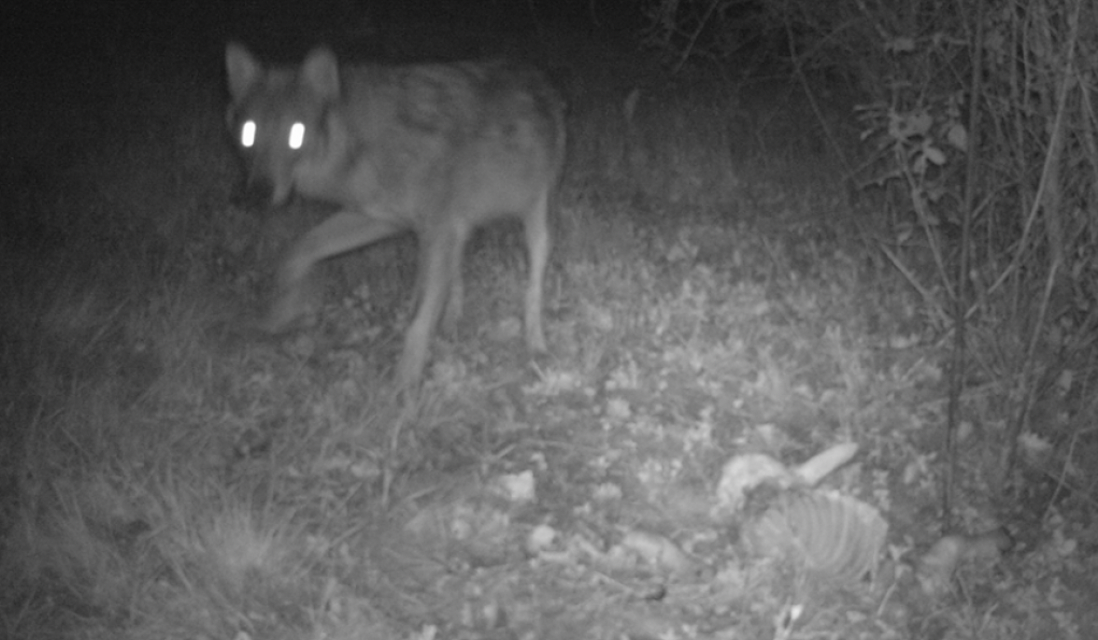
(288,312)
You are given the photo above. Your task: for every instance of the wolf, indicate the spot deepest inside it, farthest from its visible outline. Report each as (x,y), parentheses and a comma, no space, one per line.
(437,149)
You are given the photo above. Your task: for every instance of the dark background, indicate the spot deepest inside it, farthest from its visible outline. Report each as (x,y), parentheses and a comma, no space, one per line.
(65,64)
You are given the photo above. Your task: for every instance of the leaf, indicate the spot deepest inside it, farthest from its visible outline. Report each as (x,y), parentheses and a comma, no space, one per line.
(935,569)
(919,165)
(900,45)
(958,136)
(934,154)
(920,123)
(995,42)
(658,552)
(904,233)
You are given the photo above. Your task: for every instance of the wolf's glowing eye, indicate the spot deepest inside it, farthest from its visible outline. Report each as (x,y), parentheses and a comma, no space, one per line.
(297,135)
(247,134)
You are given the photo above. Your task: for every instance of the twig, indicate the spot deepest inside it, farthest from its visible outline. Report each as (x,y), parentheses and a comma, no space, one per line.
(957,370)
(694,37)
(1055,149)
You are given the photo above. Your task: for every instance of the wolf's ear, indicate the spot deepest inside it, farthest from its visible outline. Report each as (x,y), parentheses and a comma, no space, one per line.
(321,73)
(243,69)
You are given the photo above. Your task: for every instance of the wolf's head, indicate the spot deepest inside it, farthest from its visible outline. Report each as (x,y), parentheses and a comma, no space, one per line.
(277,117)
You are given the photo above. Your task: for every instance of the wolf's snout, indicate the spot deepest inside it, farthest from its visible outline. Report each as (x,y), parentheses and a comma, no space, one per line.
(258,192)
